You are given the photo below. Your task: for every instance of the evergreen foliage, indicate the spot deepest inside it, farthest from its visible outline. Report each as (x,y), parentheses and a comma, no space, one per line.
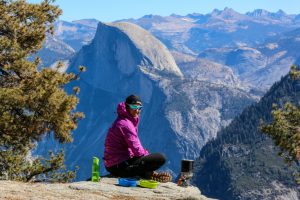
(33,102)
(242,163)
(285,131)
(285,127)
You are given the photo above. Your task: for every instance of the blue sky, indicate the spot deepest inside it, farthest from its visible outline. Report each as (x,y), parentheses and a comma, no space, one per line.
(110,10)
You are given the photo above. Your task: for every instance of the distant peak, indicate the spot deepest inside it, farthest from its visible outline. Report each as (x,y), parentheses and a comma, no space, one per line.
(216,12)
(85,20)
(175,15)
(258,13)
(149,16)
(226,13)
(225,10)
(280,12)
(264,13)
(195,15)
(93,23)
(228,9)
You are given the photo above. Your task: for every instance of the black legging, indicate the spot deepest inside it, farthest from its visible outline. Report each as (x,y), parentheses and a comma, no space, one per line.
(138,166)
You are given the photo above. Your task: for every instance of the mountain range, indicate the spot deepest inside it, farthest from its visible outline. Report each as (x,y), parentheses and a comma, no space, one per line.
(252,44)
(196,32)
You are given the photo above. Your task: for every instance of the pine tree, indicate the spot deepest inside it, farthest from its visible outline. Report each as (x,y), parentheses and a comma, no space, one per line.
(285,127)
(33,102)
(295,73)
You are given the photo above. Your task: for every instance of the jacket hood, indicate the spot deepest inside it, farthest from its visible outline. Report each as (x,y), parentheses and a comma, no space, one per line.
(122,113)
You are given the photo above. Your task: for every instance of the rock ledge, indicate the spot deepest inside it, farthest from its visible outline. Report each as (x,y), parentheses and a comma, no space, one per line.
(107,188)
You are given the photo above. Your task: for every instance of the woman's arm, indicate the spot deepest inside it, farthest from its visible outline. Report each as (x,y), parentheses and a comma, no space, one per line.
(133,142)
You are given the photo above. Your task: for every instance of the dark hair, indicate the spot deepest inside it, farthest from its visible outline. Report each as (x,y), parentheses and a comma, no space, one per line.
(133,99)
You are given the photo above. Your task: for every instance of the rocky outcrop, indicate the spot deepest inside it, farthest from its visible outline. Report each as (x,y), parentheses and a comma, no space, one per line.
(106,189)
(205,70)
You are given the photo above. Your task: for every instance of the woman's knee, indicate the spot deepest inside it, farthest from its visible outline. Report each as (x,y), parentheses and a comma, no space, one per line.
(161,158)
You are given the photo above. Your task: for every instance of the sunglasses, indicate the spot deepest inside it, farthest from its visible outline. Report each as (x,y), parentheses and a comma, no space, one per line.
(135,107)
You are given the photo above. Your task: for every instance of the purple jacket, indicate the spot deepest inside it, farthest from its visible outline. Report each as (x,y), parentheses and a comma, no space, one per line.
(122,141)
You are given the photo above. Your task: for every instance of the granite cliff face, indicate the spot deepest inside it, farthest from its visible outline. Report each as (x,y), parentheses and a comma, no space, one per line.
(180,114)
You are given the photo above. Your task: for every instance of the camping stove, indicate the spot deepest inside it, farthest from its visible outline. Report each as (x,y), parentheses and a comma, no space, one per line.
(186,173)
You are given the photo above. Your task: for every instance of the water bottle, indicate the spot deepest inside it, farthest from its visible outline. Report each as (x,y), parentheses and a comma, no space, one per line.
(95,170)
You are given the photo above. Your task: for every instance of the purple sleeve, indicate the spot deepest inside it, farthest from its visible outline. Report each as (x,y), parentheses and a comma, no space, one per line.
(134,142)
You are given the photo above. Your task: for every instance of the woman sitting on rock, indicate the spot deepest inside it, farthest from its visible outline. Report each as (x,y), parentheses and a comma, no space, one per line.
(124,155)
